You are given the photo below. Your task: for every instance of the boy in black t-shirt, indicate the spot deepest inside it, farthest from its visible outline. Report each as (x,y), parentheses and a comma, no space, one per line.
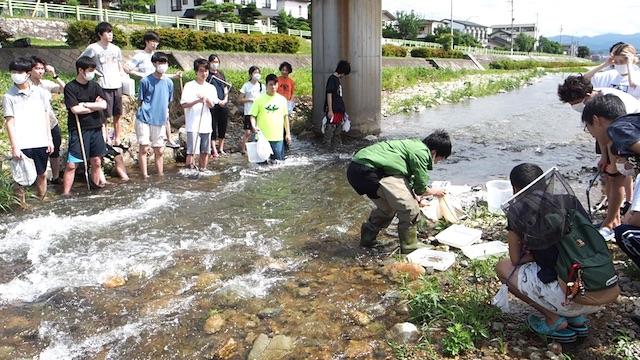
(334,105)
(85,99)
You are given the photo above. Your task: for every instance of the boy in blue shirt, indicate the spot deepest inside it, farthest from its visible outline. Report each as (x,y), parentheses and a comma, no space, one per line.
(156,92)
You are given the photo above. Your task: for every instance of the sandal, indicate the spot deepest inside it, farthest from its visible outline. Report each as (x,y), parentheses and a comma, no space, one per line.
(579,325)
(121,146)
(539,326)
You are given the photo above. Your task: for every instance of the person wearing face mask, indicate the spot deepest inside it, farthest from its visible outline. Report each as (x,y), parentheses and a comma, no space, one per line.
(220,112)
(85,99)
(334,105)
(624,76)
(40,67)
(156,92)
(26,116)
(248,93)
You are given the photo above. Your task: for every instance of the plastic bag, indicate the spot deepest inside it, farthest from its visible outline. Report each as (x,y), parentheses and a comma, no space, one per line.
(24,171)
(128,86)
(346,123)
(264,148)
(501,299)
(324,124)
(450,208)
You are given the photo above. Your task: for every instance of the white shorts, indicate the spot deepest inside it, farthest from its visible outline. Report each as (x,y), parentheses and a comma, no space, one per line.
(550,296)
(150,134)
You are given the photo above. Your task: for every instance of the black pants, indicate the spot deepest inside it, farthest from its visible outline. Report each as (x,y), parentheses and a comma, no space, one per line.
(365,180)
(219,120)
(628,239)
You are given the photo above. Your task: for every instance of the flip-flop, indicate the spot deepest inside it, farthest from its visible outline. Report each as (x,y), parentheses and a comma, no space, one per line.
(579,325)
(539,326)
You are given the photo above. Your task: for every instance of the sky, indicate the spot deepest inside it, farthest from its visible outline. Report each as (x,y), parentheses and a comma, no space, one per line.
(576,17)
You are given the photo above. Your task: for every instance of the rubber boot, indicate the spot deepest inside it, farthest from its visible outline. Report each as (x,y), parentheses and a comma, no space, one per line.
(409,240)
(368,234)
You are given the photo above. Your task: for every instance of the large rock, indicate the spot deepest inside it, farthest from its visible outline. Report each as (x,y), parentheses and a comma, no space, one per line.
(404,333)
(225,352)
(265,348)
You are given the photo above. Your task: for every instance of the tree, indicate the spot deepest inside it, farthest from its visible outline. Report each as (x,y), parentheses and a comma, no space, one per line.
(524,42)
(549,46)
(225,12)
(249,14)
(583,51)
(442,36)
(390,32)
(408,24)
(136,5)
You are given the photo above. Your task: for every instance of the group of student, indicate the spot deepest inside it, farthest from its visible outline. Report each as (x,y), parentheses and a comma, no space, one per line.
(394,175)
(95,95)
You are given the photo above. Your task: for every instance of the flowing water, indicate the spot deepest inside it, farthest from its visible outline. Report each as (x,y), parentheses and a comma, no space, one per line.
(243,242)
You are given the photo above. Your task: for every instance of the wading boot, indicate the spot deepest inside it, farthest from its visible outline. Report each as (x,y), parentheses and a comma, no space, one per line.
(368,234)
(409,240)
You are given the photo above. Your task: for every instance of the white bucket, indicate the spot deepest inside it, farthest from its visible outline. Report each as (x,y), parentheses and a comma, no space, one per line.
(498,191)
(252,153)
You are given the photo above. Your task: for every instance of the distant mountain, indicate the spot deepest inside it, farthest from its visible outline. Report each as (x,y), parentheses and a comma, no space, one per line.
(600,43)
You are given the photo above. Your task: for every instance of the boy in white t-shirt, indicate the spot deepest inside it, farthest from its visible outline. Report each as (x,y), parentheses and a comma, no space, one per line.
(197,95)
(250,91)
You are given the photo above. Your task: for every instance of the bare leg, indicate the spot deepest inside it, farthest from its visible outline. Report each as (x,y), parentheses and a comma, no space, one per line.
(222,146)
(96,169)
(628,188)
(20,194)
(616,197)
(41,186)
(55,168)
(245,138)
(142,160)
(168,130)
(121,170)
(204,159)
(159,160)
(67,178)
(189,160)
(116,129)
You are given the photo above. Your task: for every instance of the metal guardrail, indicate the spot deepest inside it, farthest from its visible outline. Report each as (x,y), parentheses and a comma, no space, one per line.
(47,10)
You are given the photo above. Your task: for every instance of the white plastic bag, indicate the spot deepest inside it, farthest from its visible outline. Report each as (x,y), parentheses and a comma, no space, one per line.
(346,123)
(324,124)
(501,299)
(450,208)
(264,148)
(24,171)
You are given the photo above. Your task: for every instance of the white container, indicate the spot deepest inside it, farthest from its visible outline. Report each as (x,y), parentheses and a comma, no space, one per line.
(498,191)
(438,260)
(484,250)
(252,153)
(128,86)
(459,236)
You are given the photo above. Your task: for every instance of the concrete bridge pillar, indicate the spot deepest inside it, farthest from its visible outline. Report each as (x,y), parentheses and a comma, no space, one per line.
(350,30)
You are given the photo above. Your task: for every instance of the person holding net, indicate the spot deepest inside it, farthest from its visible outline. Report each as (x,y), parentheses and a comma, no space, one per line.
(558,262)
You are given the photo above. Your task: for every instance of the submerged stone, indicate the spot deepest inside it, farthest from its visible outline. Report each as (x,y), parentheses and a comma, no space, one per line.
(213,324)
(115,281)
(404,333)
(265,348)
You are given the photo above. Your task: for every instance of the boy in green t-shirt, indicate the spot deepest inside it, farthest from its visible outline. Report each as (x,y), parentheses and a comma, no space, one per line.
(269,114)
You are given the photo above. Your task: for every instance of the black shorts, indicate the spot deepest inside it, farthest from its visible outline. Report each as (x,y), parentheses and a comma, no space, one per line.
(114,102)
(364,180)
(57,140)
(246,124)
(39,157)
(219,119)
(94,145)
(598,151)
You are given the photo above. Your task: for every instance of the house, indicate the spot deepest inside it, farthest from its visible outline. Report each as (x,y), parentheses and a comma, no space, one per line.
(268,8)
(499,39)
(428,27)
(295,8)
(516,29)
(388,19)
(477,31)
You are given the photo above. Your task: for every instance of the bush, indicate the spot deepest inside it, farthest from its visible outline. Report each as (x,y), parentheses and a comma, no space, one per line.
(394,50)
(83,33)
(424,52)
(5,35)
(506,64)
(186,39)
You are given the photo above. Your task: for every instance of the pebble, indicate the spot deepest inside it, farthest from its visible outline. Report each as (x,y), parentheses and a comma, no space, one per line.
(551,355)
(227,351)
(213,324)
(404,333)
(555,347)
(115,281)
(269,313)
(360,318)
(304,291)
(535,356)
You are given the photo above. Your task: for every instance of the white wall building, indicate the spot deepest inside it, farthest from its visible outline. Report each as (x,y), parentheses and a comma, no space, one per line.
(295,8)
(477,31)
(268,8)
(529,29)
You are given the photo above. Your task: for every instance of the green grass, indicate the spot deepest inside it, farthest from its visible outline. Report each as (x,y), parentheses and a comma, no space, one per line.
(305,47)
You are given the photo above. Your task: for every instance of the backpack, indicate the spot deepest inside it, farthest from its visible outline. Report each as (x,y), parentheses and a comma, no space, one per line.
(583,253)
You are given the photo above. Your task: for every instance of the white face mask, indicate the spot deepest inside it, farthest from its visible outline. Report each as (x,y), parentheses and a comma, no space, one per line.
(215,66)
(256,76)
(622,170)
(162,68)
(578,107)
(19,78)
(621,69)
(89,75)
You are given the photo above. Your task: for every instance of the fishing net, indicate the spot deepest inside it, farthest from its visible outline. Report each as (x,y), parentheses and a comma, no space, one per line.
(541,212)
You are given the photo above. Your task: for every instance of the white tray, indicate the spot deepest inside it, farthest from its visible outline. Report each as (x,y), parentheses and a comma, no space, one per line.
(459,236)
(484,250)
(438,260)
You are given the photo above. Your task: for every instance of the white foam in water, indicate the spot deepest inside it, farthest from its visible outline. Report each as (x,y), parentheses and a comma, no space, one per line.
(255,284)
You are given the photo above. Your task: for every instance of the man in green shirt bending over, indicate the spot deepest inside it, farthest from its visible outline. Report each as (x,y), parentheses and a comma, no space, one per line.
(394,174)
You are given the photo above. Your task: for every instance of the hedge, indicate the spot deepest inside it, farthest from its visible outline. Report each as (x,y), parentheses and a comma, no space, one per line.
(393,50)
(82,33)
(532,64)
(424,52)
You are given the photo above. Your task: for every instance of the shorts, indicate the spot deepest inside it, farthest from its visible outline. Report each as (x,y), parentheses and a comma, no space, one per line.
(39,157)
(203,144)
(364,179)
(247,122)
(219,120)
(113,97)
(57,140)
(550,296)
(153,135)
(94,145)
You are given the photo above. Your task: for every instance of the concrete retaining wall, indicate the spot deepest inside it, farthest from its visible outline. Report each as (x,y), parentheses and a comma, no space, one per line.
(38,28)
(454,64)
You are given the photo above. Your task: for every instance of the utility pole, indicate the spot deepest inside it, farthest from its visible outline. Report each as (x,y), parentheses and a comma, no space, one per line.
(512,32)
(100,12)
(535,32)
(561,38)
(451,25)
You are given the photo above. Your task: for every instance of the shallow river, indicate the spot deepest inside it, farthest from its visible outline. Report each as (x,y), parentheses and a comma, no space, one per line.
(243,242)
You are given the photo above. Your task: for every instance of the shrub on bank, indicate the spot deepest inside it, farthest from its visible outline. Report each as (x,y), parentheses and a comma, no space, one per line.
(424,52)
(394,50)
(82,33)
(187,39)
(506,64)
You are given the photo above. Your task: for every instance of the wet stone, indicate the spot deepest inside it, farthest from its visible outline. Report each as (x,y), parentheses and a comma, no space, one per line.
(206,281)
(115,281)
(358,350)
(268,313)
(360,318)
(535,356)
(304,291)
(404,333)
(213,324)
(226,351)
(265,348)
(6,352)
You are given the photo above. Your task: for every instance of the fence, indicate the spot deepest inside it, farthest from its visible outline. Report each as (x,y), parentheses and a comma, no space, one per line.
(487,51)
(47,10)
(411,43)
(301,33)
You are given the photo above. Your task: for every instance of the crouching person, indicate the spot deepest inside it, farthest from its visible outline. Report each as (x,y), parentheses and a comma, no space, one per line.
(543,279)
(391,173)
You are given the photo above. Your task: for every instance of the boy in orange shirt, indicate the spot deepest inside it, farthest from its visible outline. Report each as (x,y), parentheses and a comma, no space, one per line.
(286,86)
